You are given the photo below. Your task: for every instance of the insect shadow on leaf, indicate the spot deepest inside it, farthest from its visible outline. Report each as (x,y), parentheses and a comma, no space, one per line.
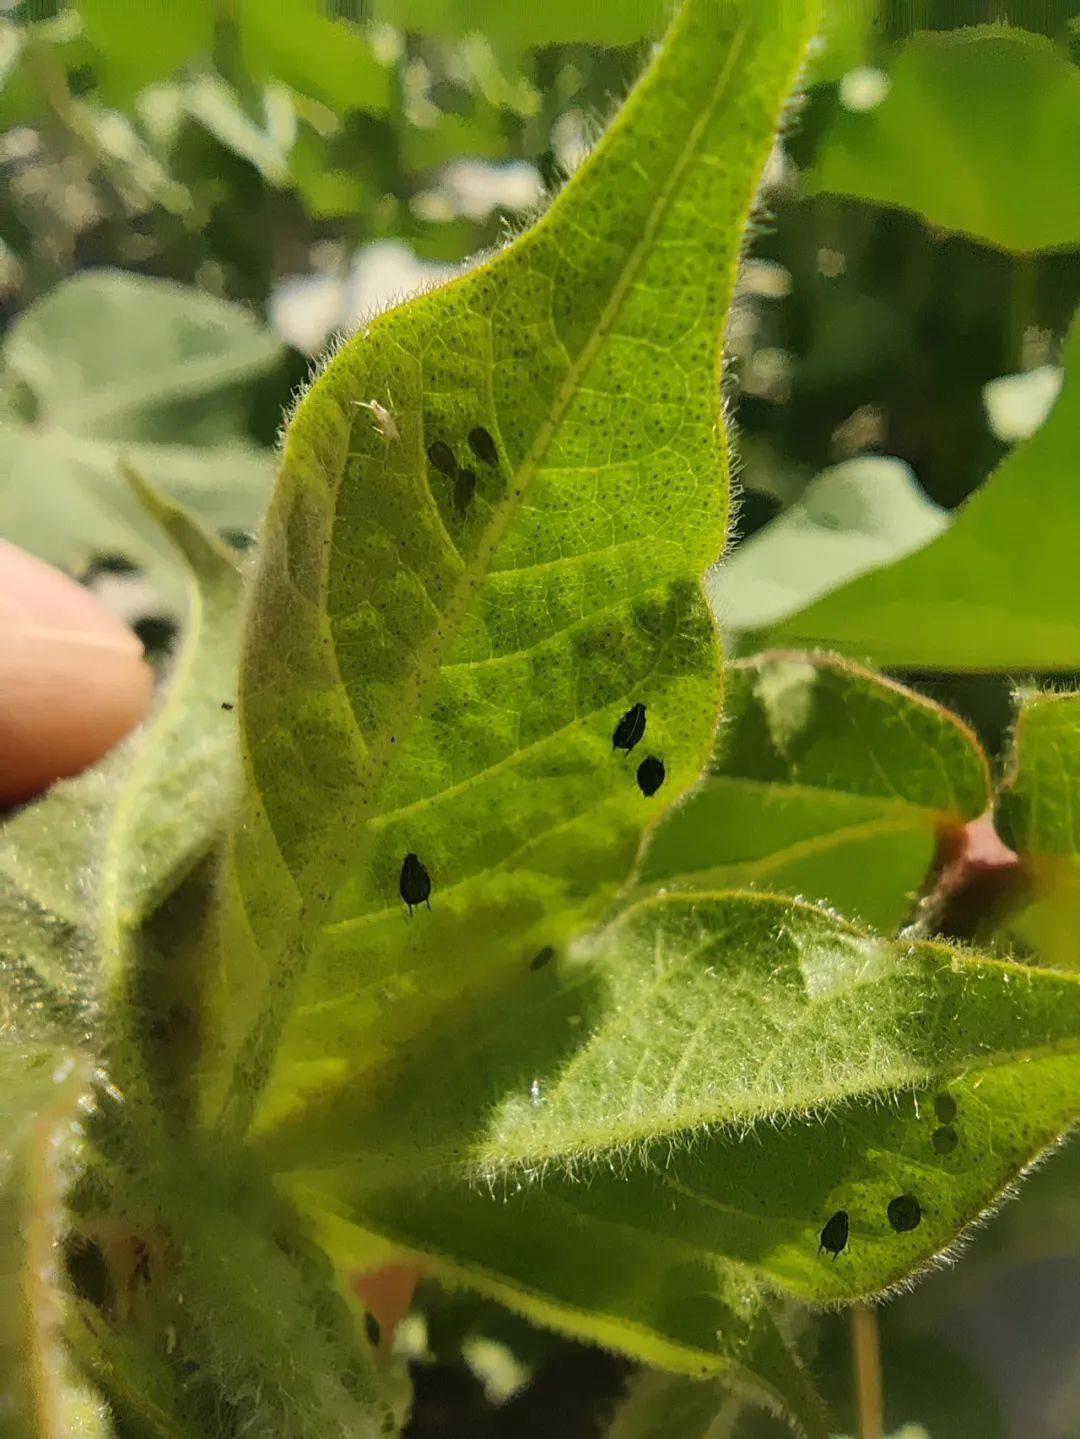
(442,457)
(483,446)
(415,883)
(464,489)
(544,956)
(904,1213)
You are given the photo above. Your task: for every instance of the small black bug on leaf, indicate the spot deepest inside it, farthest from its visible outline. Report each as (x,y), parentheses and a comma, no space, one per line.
(539,960)
(834,1236)
(464,489)
(226,705)
(945,1108)
(483,446)
(442,457)
(630,728)
(650,775)
(905,1212)
(372,1329)
(415,883)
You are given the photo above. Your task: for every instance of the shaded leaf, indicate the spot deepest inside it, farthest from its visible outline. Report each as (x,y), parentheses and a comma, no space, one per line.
(999,590)
(1005,109)
(44,1397)
(318,54)
(82,867)
(706,1089)
(827,781)
(442,677)
(848,520)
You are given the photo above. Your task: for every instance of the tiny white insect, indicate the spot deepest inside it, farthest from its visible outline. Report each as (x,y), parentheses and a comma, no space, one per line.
(384,418)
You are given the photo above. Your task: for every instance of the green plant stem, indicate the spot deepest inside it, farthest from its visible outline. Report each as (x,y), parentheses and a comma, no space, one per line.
(866,1364)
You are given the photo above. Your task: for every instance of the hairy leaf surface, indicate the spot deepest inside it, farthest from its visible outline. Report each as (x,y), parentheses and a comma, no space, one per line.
(1000,589)
(81,868)
(827,781)
(708,1087)
(43,1397)
(436,664)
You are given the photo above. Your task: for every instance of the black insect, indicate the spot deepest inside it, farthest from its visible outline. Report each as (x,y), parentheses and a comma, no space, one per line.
(225,705)
(630,728)
(905,1212)
(945,1108)
(157,633)
(107,564)
(483,446)
(543,957)
(464,489)
(834,1236)
(442,457)
(944,1139)
(372,1330)
(415,883)
(238,539)
(650,775)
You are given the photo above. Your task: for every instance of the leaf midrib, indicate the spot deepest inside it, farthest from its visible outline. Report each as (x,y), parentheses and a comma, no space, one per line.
(380,752)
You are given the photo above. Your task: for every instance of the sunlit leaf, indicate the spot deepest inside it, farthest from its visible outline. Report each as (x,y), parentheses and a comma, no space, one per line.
(979,131)
(447,630)
(706,1088)
(828,782)
(999,590)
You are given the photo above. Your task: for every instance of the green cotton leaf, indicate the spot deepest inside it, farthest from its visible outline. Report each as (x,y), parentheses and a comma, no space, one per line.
(318,54)
(705,1087)
(668,1406)
(1038,815)
(163,390)
(484,549)
(979,131)
(850,519)
(44,1397)
(999,590)
(827,781)
(559,22)
(140,41)
(82,867)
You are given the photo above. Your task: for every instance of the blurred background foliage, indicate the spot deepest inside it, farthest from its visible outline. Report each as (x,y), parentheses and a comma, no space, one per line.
(196,195)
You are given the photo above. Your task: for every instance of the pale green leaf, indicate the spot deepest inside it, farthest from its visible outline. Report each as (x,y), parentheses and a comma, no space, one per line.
(999,590)
(316,53)
(979,131)
(81,868)
(437,667)
(42,1396)
(848,520)
(122,367)
(668,1406)
(828,782)
(1038,813)
(705,1088)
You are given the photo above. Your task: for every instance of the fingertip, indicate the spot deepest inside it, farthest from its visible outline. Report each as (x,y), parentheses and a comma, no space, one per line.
(73,680)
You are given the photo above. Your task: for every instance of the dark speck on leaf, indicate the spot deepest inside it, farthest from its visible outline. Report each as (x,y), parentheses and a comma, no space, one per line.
(483,446)
(944,1139)
(238,539)
(905,1212)
(650,775)
(225,705)
(945,1108)
(630,728)
(543,957)
(157,633)
(415,883)
(442,457)
(464,489)
(372,1330)
(834,1236)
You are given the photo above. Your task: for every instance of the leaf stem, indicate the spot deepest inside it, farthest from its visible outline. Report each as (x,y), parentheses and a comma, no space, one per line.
(866,1364)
